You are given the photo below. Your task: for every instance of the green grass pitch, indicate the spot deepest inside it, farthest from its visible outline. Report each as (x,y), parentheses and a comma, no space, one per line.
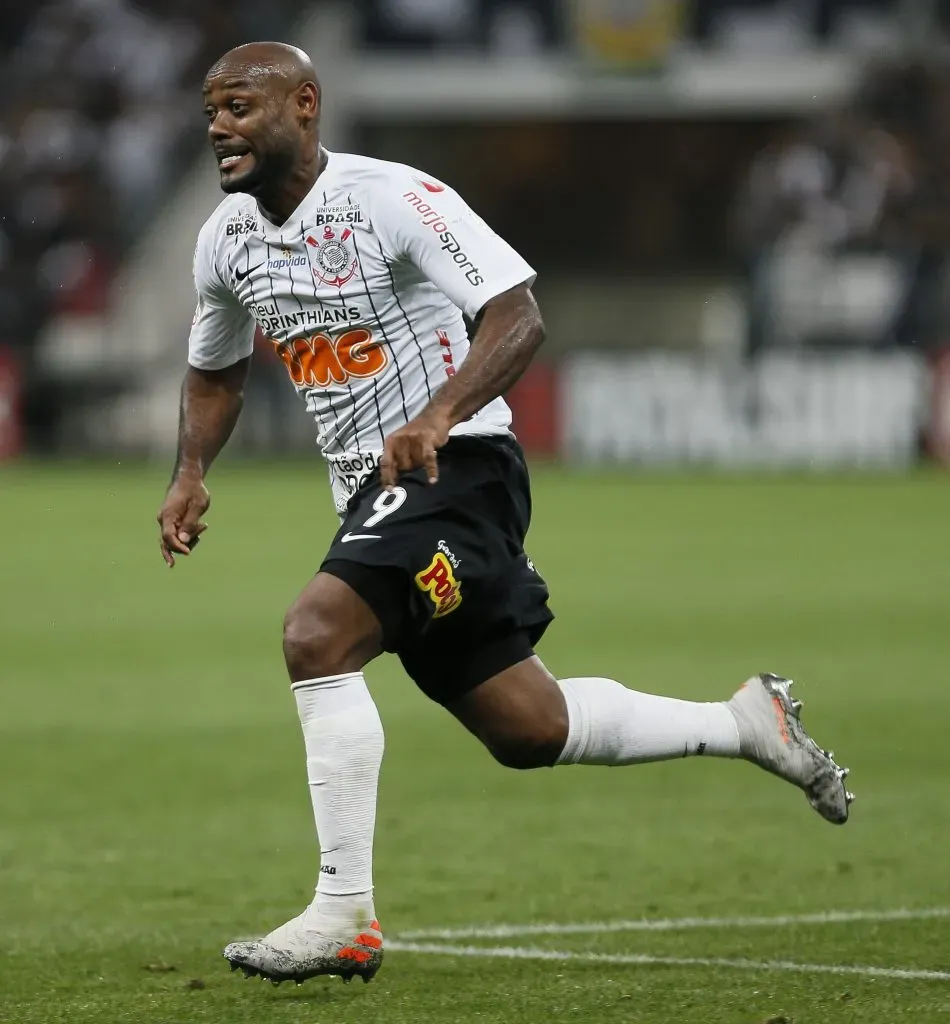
(153,803)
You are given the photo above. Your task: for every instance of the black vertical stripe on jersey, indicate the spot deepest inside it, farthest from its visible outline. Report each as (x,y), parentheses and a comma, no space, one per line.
(270,277)
(372,306)
(232,270)
(247,272)
(247,268)
(356,433)
(379,412)
(299,301)
(379,415)
(412,330)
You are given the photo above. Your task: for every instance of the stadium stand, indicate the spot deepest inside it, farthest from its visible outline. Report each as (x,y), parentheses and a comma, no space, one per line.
(95,127)
(101,194)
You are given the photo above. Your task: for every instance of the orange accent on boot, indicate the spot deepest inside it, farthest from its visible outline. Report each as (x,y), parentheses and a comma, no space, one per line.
(349,953)
(373,941)
(780,716)
(375,926)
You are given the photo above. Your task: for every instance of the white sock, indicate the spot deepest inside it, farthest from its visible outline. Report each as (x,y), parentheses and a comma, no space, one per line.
(343,737)
(609,724)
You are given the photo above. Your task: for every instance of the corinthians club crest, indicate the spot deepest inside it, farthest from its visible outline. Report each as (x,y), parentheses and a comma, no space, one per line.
(331,259)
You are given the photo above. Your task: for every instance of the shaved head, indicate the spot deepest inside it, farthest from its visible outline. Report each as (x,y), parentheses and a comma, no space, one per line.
(263,102)
(286,65)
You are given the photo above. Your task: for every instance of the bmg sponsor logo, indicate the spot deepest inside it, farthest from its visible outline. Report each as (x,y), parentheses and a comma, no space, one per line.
(323,361)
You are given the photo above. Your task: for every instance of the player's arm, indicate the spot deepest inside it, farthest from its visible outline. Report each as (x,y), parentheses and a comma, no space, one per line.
(510,332)
(211,402)
(219,354)
(431,225)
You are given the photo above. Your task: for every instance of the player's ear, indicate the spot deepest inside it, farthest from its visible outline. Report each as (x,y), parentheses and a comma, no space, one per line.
(308,102)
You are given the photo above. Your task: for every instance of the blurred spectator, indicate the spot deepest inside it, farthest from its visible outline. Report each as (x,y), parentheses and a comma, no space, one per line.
(780,26)
(843,223)
(99,97)
(501,26)
(913,101)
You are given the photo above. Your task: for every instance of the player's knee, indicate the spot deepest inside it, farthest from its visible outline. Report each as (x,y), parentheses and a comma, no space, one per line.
(536,744)
(315,646)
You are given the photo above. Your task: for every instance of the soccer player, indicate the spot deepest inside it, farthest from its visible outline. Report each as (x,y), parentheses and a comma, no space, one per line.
(359,272)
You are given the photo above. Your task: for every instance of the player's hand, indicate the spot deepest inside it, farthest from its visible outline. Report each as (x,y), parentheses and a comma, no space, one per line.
(185,503)
(412,447)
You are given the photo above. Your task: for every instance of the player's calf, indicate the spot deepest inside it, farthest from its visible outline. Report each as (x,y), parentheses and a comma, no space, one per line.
(536,747)
(527,719)
(520,715)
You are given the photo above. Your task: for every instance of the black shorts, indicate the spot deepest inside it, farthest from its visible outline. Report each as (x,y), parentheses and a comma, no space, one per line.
(443,565)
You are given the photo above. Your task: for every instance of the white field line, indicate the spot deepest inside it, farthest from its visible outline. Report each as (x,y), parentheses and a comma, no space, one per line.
(535,953)
(672,924)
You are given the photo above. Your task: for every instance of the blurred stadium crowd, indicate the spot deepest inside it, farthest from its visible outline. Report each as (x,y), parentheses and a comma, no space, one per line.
(833,227)
(859,192)
(99,96)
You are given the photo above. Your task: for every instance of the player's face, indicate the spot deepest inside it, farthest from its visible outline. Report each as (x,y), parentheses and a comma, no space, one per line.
(250,132)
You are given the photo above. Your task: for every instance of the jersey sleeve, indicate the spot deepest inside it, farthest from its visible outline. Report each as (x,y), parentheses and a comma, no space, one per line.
(431,226)
(222,332)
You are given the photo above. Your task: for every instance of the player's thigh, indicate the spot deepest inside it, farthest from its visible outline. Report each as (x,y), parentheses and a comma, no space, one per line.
(519,714)
(329,629)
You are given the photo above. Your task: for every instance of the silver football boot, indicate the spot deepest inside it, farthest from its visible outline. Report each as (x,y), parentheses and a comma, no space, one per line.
(771,736)
(306,947)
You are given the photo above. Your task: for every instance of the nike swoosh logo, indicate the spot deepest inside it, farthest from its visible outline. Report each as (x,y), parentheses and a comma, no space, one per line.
(240,275)
(347,537)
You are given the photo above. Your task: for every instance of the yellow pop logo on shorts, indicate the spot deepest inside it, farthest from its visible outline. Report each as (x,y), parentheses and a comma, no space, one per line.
(439,582)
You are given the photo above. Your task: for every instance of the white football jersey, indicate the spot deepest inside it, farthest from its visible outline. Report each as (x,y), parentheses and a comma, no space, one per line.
(361,291)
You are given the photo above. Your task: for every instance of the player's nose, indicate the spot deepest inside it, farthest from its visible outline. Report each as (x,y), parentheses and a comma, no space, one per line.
(218,129)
